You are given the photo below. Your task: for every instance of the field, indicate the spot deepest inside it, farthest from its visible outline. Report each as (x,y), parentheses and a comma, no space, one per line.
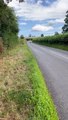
(58,41)
(23,92)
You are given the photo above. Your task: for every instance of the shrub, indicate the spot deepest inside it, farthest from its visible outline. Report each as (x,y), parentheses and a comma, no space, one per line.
(21,37)
(8,25)
(61,39)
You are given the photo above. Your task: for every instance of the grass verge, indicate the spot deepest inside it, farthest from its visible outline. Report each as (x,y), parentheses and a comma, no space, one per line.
(23,93)
(62,47)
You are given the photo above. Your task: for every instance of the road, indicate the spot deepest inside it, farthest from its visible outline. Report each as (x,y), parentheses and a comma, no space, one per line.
(54,66)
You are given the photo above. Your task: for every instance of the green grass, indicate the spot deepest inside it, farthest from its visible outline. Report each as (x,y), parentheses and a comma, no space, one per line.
(43,107)
(62,47)
(23,92)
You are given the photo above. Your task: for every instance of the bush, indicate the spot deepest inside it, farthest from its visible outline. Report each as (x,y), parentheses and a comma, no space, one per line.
(10,40)
(61,39)
(8,25)
(21,37)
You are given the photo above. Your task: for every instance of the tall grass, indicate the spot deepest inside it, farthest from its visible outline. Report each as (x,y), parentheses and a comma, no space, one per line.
(23,92)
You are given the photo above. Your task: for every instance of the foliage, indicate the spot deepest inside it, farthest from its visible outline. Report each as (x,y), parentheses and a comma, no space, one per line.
(21,37)
(42,35)
(8,25)
(65,27)
(56,33)
(61,39)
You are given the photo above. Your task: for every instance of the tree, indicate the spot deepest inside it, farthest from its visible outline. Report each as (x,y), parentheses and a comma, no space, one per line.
(65,27)
(8,25)
(1,3)
(22,37)
(30,35)
(42,35)
(56,33)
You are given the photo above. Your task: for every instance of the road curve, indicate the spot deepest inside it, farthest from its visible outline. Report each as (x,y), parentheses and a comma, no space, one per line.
(54,66)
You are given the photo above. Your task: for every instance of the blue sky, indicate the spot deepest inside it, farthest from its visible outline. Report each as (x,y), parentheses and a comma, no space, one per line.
(40,16)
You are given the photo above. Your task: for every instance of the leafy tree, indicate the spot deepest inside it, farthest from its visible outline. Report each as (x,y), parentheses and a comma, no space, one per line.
(56,33)
(30,35)
(22,37)
(8,25)
(65,27)
(42,35)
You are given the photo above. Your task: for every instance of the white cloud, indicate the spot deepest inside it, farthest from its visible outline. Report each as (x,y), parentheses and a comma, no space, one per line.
(23,23)
(39,27)
(59,20)
(54,21)
(39,2)
(56,10)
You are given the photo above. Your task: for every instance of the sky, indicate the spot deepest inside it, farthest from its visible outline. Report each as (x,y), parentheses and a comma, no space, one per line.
(38,17)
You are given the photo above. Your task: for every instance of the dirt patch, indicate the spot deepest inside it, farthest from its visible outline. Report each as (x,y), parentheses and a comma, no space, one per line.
(1,45)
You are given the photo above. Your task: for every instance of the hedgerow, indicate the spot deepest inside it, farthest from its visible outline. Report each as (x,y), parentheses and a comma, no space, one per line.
(61,39)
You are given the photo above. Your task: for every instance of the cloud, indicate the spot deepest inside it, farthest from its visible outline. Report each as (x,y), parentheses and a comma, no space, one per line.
(36,11)
(59,20)
(39,2)
(55,21)
(47,1)
(23,23)
(42,28)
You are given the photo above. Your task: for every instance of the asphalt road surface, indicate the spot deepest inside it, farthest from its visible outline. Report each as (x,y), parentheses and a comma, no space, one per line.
(54,66)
